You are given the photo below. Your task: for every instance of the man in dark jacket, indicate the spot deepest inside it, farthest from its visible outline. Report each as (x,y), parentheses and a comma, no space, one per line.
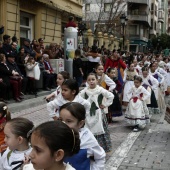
(12,65)
(27,47)
(6,45)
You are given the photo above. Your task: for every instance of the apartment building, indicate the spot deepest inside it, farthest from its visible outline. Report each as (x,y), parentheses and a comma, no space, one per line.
(38,18)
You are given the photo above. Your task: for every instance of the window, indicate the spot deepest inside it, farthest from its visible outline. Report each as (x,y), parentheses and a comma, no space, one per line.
(87,7)
(152,23)
(133,30)
(152,8)
(155,26)
(107,7)
(156,10)
(26,26)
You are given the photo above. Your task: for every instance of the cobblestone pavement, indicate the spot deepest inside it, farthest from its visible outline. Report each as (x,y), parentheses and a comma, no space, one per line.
(145,150)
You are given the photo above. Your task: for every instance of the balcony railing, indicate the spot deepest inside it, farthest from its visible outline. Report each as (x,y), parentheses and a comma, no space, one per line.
(139,16)
(139,1)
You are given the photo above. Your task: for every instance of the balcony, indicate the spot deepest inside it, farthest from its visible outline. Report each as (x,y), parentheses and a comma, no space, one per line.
(139,16)
(161,15)
(139,1)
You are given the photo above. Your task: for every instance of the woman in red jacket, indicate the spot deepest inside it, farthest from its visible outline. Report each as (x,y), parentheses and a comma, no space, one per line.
(114,61)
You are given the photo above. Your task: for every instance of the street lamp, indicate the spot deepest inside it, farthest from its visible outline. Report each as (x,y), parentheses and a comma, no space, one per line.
(123,20)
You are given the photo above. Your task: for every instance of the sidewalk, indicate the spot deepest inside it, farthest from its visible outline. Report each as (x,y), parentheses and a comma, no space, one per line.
(145,150)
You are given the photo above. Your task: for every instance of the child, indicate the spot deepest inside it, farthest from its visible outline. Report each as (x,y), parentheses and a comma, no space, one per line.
(96,121)
(51,142)
(151,84)
(30,66)
(115,109)
(77,67)
(74,114)
(103,79)
(5,116)
(105,82)
(137,113)
(129,75)
(61,77)
(16,131)
(70,93)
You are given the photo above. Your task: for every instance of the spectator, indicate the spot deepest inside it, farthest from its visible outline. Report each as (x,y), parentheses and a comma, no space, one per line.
(1,48)
(7,49)
(6,74)
(71,22)
(14,50)
(15,40)
(41,42)
(37,50)
(33,42)
(47,77)
(51,51)
(3,90)
(49,69)
(28,48)
(12,65)
(1,31)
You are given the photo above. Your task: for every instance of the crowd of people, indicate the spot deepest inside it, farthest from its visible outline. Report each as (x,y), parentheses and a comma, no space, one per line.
(22,66)
(130,84)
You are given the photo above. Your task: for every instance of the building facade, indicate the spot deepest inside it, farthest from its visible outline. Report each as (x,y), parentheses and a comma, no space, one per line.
(38,18)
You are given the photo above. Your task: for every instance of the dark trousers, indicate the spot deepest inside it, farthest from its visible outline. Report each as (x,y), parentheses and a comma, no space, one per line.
(3,91)
(31,85)
(16,87)
(49,80)
(24,84)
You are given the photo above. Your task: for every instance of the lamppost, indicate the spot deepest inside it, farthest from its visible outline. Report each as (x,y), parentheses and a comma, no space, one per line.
(123,20)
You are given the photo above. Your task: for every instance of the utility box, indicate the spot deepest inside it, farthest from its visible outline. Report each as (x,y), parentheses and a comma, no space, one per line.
(70,45)
(57,65)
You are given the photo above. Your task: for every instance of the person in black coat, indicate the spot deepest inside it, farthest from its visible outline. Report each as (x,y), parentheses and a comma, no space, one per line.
(12,65)
(5,74)
(7,49)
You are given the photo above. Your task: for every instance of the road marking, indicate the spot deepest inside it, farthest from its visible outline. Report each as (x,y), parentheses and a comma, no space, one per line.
(121,152)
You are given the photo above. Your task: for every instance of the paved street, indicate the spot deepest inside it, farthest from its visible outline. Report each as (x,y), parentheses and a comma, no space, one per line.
(145,150)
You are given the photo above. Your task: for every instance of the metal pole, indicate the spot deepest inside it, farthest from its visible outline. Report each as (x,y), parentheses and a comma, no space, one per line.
(123,37)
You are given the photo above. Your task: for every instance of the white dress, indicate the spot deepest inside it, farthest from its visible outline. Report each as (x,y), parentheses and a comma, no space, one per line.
(161,89)
(137,112)
(94,122)
(129,82)
(9,158)
(168,73)
(59,101)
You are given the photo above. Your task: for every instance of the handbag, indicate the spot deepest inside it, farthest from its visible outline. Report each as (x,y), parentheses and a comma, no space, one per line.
(167,115)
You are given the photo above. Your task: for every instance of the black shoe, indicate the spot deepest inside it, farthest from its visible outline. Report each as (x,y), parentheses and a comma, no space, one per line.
(21,97)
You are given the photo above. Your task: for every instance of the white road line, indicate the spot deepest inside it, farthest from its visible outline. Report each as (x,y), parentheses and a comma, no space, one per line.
(121,152)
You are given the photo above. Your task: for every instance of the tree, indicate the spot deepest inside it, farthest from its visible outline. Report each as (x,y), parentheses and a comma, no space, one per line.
(106,14)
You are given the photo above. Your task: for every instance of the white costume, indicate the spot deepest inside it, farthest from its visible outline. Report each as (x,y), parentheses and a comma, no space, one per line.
(137,112)
(88,147)
(138,69)
(30,167)
(168,73)
(59,101)
(161,89)
(129,82)
(13,159)
(94,121)
(151,82)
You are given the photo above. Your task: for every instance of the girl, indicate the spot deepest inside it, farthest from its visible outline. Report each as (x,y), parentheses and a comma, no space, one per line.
(16,138)
(115,109)
(162,86)
(70,93)
(74,114)
(77,67)
(61,77)
(96,121)
(129,75)
(30,66)
(49,150)
(151,84)
(104,81)
(4,117)
(137,113)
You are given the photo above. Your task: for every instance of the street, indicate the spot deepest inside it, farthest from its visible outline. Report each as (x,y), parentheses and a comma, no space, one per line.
(144,150)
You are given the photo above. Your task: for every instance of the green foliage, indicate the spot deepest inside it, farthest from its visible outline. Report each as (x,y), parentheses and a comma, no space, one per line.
(161,41)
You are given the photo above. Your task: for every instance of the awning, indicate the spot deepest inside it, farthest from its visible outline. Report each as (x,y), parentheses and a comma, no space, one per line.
(60,8)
